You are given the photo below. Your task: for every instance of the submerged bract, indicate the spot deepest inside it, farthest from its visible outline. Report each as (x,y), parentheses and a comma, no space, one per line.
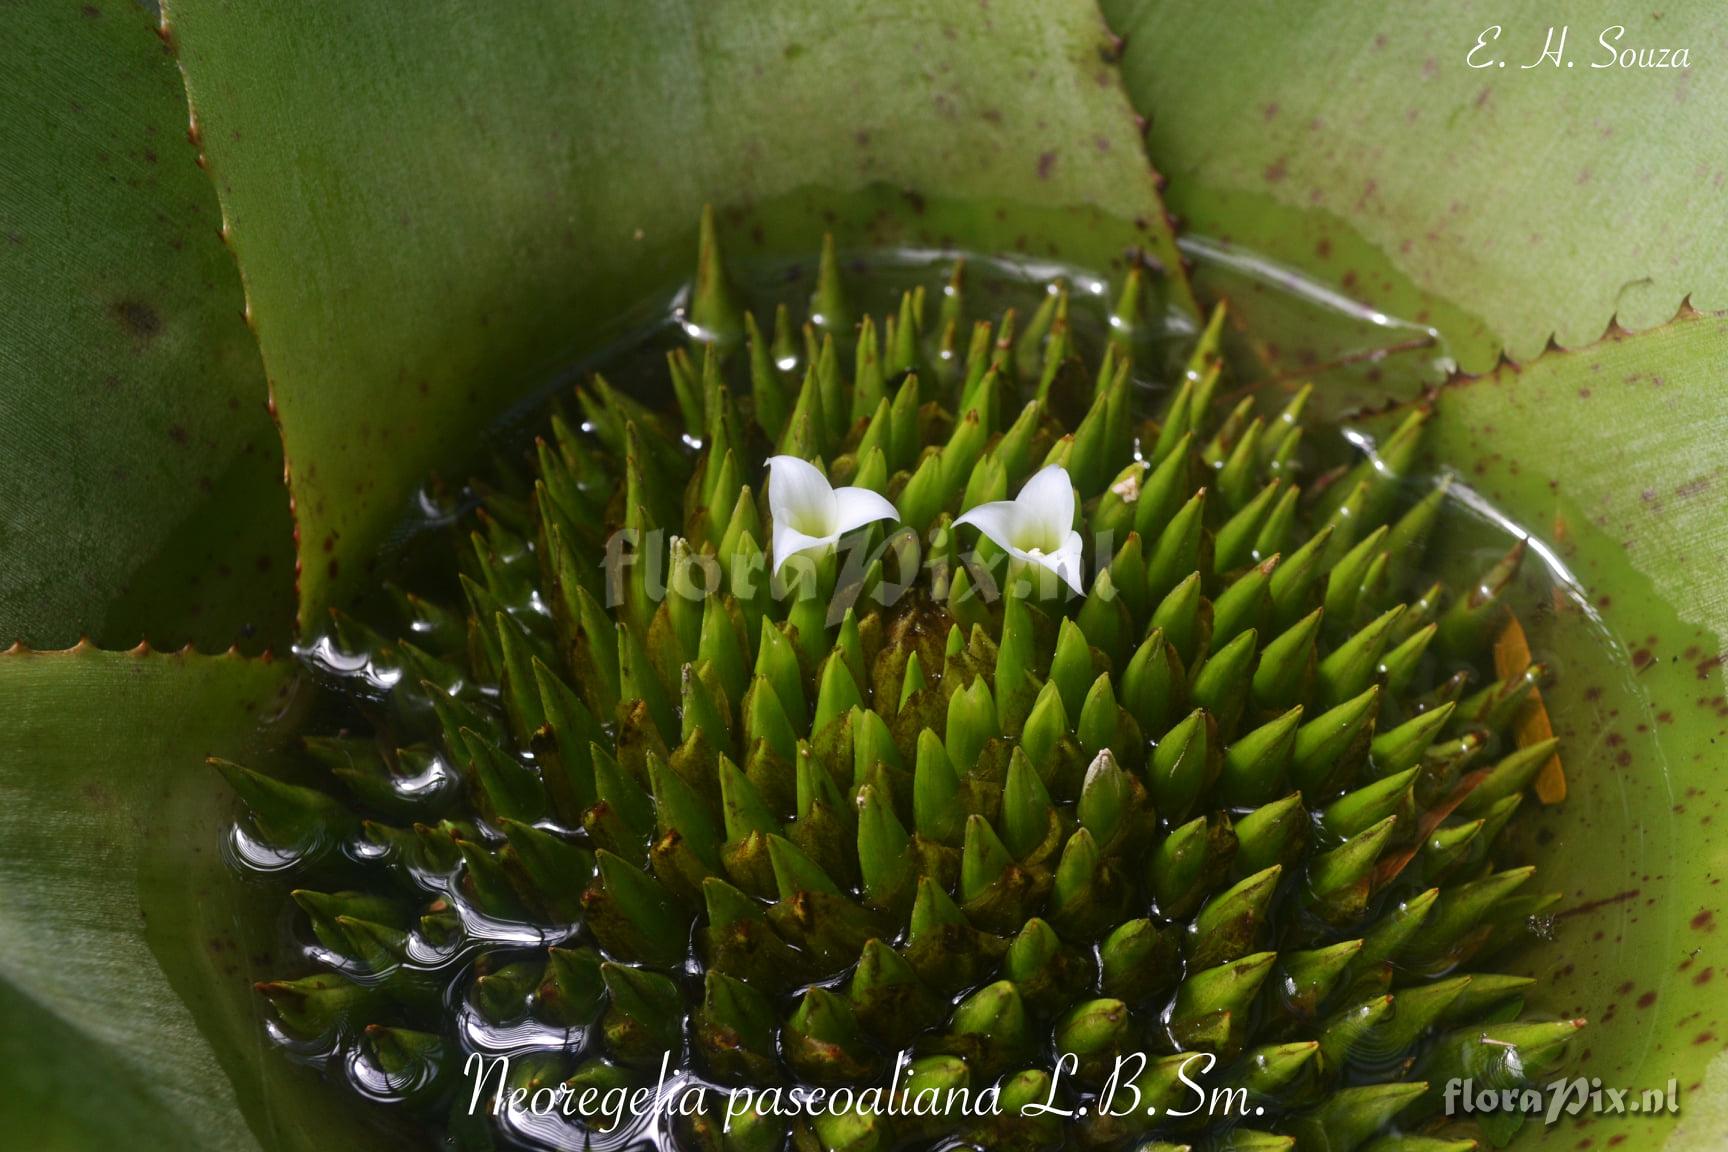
(1169,773)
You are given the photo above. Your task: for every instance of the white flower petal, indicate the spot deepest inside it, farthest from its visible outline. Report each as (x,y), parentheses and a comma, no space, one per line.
(856,507)
(1047,507)
(1066,562)
(999,520)
(788,542)
(800,497)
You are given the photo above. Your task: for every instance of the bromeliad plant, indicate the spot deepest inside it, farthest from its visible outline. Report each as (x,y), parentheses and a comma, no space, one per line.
(393,225)
(1179,752)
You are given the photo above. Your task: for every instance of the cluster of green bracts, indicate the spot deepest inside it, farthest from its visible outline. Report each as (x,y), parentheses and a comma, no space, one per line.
(893,811)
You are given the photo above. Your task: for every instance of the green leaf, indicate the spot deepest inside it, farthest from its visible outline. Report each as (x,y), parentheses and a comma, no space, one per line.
(1628,434)
(142,494)
(127,946)
(434,214)
(1611,458)
(1498,205)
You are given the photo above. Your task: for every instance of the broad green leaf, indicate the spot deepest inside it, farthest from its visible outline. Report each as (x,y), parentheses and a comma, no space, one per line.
(434,212)
(1286,326)
(1625,437)
(1497,205)
(141,496)
(127,946)
(1611,458)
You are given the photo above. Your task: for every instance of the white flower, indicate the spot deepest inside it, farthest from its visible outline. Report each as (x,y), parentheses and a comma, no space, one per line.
(809,513)
(1036,526)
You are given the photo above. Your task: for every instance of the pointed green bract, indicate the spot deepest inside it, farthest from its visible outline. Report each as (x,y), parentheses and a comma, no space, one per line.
(1239,538)
(1503,1055)
(1356,811)
(1509,777)
(712,307)
(1221,684)
(896,796)
(1402,747)
(1244,604)
(1349,865)
(882,849)
(983,858)
(795,872)
(1178,615)
(1231,922)
(287,816)
(1327,745)
(971,722)
(1226,988)
(1389,938)
(1467,626)
(1163,489)
(1098,728)
(1353,1115)
(936,790)
(1027,809)
(1310,977)
(1071,667)
(1344,582)
(314,1006)
(1459,910)
(552,867)
(1046,726)
(1256,766)
(1109,799)
(1292,583)
(1184,765)
(1176,550)
(1274,833)
(1351,667)
(1153,687)
(631,913)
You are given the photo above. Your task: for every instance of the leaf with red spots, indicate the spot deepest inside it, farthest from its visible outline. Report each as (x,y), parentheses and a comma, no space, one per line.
(1612,458)
(433,213)
(141,488)
(1499,205)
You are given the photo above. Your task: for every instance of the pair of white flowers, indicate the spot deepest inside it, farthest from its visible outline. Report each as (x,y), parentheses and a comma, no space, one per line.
(1036,527)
